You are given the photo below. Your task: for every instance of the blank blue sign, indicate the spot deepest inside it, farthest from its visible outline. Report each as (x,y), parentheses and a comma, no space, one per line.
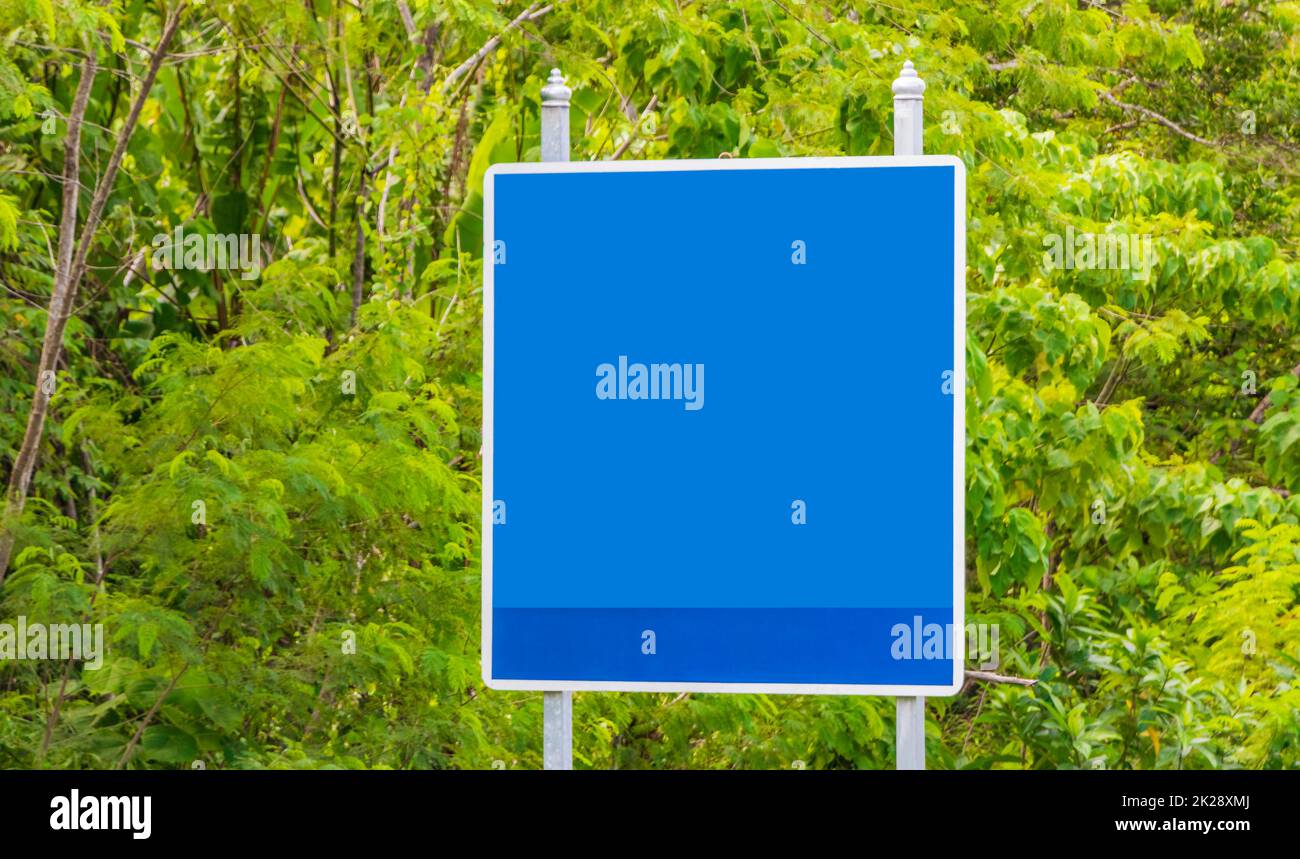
(723,425)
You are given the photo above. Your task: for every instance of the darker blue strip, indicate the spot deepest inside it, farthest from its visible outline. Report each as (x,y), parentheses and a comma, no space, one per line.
(721,645)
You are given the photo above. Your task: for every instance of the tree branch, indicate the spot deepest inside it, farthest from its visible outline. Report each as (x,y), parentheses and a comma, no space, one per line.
(1256,417)
(532,13)
(148,717)
(1151,114)
(990,677)
(631,138)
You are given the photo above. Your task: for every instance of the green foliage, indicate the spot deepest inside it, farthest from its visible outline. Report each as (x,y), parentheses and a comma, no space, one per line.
(265,485)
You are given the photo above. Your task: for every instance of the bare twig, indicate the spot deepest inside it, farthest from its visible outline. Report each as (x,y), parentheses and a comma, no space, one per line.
(1163,120)
(1256,417)
(1257,414)
(532,13)
(148,717)
(979,707)
(359,251)
(990,677)
(407,21)
(631,138)
(1117,371)
(818,36)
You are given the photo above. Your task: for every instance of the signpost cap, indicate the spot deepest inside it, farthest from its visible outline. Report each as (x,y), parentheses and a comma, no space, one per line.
(555,93)
(908,84)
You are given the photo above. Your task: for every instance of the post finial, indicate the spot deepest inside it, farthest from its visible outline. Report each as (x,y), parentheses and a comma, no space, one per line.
(555,93)
(908,84)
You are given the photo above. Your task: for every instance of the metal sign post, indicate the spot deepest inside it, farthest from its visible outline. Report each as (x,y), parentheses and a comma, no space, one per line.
(909,722)
(557,707)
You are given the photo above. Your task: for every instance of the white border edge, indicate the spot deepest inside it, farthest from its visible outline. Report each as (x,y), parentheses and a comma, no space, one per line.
(959,422)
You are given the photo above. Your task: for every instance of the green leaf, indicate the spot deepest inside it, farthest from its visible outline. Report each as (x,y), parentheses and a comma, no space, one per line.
(146,634)
(166,744)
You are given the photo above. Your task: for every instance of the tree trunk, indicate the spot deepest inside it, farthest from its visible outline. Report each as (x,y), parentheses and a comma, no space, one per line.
(71,268)
(60,302)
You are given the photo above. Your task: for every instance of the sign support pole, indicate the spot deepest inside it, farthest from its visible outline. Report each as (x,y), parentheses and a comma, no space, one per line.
(909,720)
(557,707)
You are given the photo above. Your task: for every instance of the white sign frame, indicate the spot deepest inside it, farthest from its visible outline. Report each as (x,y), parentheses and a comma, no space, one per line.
(959,422)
